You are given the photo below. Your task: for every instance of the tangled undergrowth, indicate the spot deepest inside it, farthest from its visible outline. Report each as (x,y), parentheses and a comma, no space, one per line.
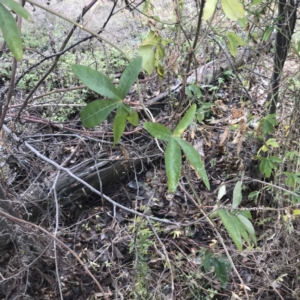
(135,256)
(82,218)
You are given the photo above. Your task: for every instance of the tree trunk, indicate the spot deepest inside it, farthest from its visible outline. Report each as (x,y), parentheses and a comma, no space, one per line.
(287,16)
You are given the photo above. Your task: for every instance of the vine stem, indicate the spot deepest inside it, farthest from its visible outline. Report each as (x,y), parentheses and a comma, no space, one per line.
(79,25)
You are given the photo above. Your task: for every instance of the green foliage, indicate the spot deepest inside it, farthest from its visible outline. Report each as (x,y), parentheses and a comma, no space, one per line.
(237,195)
(17,8)
(203,111)
(256,2)
(152,52)
(293,180)
(220,266)
(193,90)
(268,123)
(173,153)
(209,9)
(142,243)
(37,41)
(233,42)
(254,195)
(269,143)
(97,82)
(11,32)
(268,164)
(237,221)
(96,112)
(233,9)
(268,31)
(9,26)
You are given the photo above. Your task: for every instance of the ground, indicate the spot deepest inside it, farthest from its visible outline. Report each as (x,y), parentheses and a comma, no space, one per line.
(120,234)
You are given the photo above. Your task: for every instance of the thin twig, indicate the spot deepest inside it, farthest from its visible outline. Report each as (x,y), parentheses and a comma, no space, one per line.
(223,244)
(55,234)
(166,256)
(91,188)
(64,44)
(17,220)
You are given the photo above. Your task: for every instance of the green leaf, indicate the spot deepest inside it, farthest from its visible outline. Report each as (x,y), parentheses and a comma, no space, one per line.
(290,179)
(219,264)
(254,195)
(268,123)
(276,159)
(256,2)
(159,55)
(242,229)
(17,8)
(159,131)
(267,33)
(264,167)
(237,195)
(206,263)
(161,52)
(221,271)
(129,76)
(221,192)
(185,121)
(192,90)
(97,82)
(298,46)
(200,115)
(233,42)
(248,226)
(173,164)
(119,123)
(96,112)
(133,116)
(243,22)
(160,70)
(194,159)
(148,57)
(229,224)
(11,33)
(209,9)
(245,213)
(233,9)
(153,39)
